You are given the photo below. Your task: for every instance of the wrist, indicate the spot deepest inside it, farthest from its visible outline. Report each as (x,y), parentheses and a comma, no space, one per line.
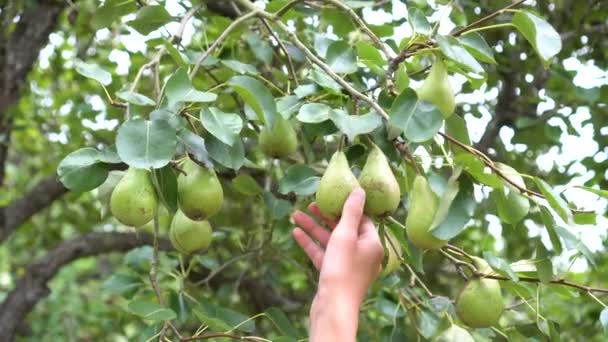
(333,317)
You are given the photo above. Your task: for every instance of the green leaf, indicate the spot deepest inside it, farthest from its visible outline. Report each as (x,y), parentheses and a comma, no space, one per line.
(179,89)
(231,157)
(557,203)
(256,95)
(167,182)
(139,258)
(150,310)
(477,46)
(446,200)
(314,113)
(278,208)
(240,68)
(428,323)
(341,58)
(512,207)
(456,127)
(354,125)
(304,90)
(150,18)
(476,168)
(260,47)
(418,120)
(146,144)
(135,98)
(500,265)
(418,22)
(300,179)
(460,213)
(604,320)
(287,105)
(121,283)
(325,81)
(280,320)
(81,170)
(371,57)
(544,267)
(550,225)
(224,126)
(572,242)
(540,34)
(93,71)
(599,192)
(585,218)
(227,317)
(246,185)
(453,50)
(111,11)
(214,323)
(175,55)
(195,146)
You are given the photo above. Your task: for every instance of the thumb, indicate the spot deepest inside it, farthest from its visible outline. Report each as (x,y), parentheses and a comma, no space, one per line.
(352,213)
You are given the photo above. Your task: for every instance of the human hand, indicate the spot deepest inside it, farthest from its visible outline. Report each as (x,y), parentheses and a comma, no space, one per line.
(348,258)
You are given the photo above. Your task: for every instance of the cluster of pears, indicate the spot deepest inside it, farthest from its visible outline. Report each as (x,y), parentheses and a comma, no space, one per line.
(280,140)
(134,202)
(437,90)
(376,178)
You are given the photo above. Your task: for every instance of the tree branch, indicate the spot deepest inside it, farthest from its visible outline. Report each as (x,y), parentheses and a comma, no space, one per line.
(32,287)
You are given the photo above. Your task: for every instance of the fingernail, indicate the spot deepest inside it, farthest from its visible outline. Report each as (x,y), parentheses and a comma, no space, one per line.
(359,193)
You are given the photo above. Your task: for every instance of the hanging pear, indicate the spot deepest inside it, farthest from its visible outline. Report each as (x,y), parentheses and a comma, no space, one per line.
(164,221)
(133,201)
(380,185)
(480,303)
(188,236)
(437,90)
(199,191)
(392,253)
(421,212)
(335,186)
(280,141)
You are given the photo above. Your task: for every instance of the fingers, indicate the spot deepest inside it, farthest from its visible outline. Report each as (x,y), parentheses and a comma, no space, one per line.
(351,214)
(314,209)
(314,252)
(369,241)
(367,229)
(311,227)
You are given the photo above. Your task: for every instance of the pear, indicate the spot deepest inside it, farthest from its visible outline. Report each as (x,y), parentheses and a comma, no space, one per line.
(512,207)
(380,185)
(437,90)
(280,140)
(454,334)
(480,303)
(199,191)
(164,222)
(335,186)
(392,254)
(421,212)
(134,201)
(188,236)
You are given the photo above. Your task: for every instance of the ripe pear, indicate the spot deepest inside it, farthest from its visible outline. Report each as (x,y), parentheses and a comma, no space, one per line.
(437,90)
(454,334)
(392,254)
(164,222)
(335,186)
(134,201)
(279,141)
(199,191)
(380,185)
(188,236)
(480,303)
(421,212)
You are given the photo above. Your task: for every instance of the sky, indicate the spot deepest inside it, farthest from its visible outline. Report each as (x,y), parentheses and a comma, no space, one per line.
(573,148)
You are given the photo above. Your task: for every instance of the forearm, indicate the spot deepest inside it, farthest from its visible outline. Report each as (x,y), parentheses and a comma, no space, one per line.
(333,319)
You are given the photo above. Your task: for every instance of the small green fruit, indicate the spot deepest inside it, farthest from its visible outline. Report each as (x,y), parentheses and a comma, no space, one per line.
(392,253)
(380,185)
(335,186)
(134,201)
(199,192)
(421,212)
(437,90)
(454,334)
(188,236)
(280,141)
(480,303)
(164,222)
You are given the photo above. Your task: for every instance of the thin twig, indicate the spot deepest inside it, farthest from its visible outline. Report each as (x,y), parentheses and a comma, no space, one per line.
(290,66)
(563,282)
(488,17)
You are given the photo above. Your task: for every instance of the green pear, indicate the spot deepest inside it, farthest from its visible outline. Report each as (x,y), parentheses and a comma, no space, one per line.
(421,212)
(437,90)
(280,140)
(454,334)
(134,201)
(380,185)
(512,207)
(392,253)
(188,236)
(335,186)
(199,191)
(480,303)
(164,222)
